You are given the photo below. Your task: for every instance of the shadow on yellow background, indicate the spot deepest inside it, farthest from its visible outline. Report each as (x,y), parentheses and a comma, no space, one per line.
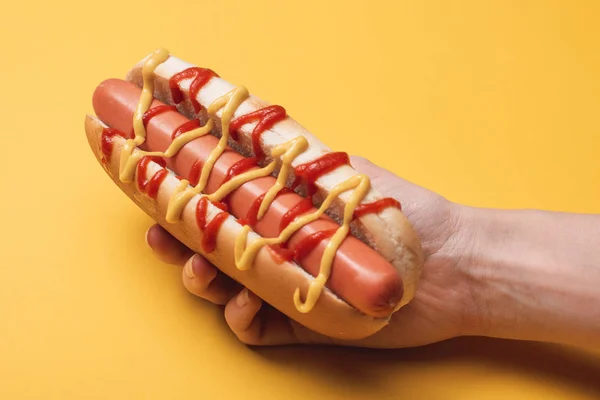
(492,104)
(355,368)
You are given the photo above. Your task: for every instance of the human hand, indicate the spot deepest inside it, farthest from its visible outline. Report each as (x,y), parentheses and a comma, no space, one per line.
(443,306)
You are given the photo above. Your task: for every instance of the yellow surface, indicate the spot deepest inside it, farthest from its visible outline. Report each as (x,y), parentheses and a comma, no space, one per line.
(490,103)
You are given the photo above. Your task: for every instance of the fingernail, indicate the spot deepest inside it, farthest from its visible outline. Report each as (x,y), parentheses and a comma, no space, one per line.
(146,237)
(189,267)
(243,298)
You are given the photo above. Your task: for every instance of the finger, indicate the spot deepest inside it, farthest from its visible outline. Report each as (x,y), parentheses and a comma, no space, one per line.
(258,324)
(201,278)
(166,247)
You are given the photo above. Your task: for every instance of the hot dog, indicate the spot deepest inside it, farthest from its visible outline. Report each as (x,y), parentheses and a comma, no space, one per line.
(376,290)
(217,170)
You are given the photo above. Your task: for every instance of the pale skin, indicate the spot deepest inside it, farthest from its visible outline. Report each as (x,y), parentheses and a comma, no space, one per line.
(524,275)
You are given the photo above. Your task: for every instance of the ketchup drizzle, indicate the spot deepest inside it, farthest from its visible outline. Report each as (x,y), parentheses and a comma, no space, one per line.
(150,186)
(154,183)
(209,240)
(252,214)
(303,206)
(240,167)
(106,142)
(310,242)
(311,171)
(154,111)
(220,205)
(281,253)
(185,127)
(376,207)
(266,117)
(200,77)
(195,172)
(210,230)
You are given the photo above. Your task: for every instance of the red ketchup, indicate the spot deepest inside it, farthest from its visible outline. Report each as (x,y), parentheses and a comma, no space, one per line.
(107,138)
(200,76)
(150,186)
(303,206)
(185,127)
(376,206)
(252,215)
(195,172)
(154,111)
(210,230)
(282,253)
(220,205)
(240,167)
(311,171)
(308,243)
(266,117)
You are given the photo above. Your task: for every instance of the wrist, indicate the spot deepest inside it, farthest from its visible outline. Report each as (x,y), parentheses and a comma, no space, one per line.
(500,268)
(529,274)
(464,248)
(451,248)
(474,258)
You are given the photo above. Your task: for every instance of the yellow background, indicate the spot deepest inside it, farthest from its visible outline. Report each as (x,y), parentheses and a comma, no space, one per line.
(490,103)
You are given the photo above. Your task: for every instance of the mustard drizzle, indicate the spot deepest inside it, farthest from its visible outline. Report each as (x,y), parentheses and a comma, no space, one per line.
(244,253)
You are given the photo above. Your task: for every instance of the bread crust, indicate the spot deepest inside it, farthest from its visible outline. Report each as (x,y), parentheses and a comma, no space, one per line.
(387,232)
(274,283)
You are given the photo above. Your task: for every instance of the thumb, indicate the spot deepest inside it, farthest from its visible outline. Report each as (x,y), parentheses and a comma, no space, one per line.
(384,180)
(411,196)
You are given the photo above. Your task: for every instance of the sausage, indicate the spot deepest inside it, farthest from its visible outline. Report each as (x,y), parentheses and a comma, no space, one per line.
(360,276)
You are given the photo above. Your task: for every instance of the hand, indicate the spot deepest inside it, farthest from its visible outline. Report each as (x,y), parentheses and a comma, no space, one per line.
(443,306)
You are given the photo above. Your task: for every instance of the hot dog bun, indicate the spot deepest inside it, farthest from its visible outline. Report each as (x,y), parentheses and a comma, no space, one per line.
(388,232)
